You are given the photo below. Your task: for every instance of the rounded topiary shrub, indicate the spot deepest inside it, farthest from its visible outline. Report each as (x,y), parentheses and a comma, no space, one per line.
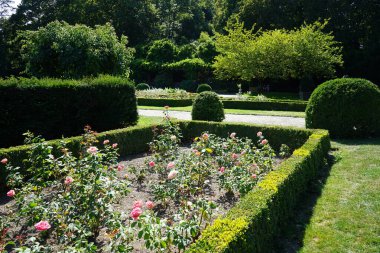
(347,107)
(203,87)
(207,106)
(142,86)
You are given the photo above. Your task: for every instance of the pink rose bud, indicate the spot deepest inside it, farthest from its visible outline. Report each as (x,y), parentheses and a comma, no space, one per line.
(149,205)
(114,145)
(222,169)
(171,165)
(205,136)
(92,150)
(232,136)
(173,138)
(4,161)
(11,193)
(259,134)
(264,142)
(120,167)
(235,156)
(68,180)
(254,176)
(152,164)
(105,142)
(172,174)
(42,226)
(136,212)
(138,204)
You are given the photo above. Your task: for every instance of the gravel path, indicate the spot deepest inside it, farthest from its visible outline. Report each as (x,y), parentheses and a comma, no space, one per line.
(256,119)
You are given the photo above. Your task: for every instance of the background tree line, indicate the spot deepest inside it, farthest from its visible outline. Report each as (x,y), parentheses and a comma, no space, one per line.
(150,24)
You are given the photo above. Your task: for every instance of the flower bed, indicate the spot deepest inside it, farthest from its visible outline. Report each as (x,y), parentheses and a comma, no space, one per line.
(239,222)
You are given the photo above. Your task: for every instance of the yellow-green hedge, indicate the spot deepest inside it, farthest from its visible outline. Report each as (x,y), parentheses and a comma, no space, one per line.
(255,220)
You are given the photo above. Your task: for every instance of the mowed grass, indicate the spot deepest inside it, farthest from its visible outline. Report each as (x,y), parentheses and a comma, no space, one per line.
(346,217)
(235,111)
(147,121)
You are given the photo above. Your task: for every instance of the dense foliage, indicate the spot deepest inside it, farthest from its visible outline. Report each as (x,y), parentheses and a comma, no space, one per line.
(347,107)
(142,86)
(277,54)
(62,50)
(207,106)
(203,87)
(55,107)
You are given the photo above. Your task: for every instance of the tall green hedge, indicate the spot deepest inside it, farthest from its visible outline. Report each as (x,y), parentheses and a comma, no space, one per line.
(54,107)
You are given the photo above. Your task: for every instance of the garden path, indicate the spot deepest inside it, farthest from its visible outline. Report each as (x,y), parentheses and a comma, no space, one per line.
(256,119)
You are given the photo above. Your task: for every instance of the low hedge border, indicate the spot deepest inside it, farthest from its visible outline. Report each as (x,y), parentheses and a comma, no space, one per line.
(253,222)
(131,140)
(270,105)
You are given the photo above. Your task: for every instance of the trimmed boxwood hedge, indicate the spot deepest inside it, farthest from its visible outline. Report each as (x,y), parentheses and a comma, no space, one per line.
(347,107)
(253,222)
(270,105)
(54,107)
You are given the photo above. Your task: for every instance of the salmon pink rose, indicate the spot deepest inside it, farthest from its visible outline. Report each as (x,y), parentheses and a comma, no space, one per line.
(136,212)
(105,142)
(92,150)
(4,161)
(152,164)
(11,193)
(138,204)
(171,165)
(232,136)
(42,226)
(149,205)
(172,174)
(259,134)
(114,145)
(264,142)
(68,180)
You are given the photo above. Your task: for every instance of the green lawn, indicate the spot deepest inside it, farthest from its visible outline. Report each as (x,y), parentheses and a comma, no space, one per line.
(235,111)
(146,121)
(344,214)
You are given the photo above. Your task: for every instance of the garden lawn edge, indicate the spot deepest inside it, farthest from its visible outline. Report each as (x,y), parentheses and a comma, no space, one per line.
(270,105)
(252,224)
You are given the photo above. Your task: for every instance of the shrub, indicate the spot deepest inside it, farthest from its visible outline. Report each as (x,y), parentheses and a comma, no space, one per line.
(347,107)
(62,50)
(162,51)
(142,86)
(207,106)
(54,107)
(189,68)
(203,87)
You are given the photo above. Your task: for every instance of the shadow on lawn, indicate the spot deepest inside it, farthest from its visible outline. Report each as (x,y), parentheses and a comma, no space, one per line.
(292,234)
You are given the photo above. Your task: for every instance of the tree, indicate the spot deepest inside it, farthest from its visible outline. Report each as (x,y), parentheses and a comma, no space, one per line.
(62,50)
(5,7)
(276,54)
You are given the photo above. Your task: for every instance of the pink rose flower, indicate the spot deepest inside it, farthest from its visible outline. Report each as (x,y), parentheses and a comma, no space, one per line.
(136,212)
(152,164)
(205,136)
(264,142)
(149,205)
(173,138)
(198,153)
(114,145)
(92,150)
(254,176)
(172,174)
(232,136)
(4,161)
(120,167)
(105,142)
(235,156)
(259,134)
(171,165)
(222,169)
(68,180)
(42,226)
(138,204)
(167,107)
(11,193)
